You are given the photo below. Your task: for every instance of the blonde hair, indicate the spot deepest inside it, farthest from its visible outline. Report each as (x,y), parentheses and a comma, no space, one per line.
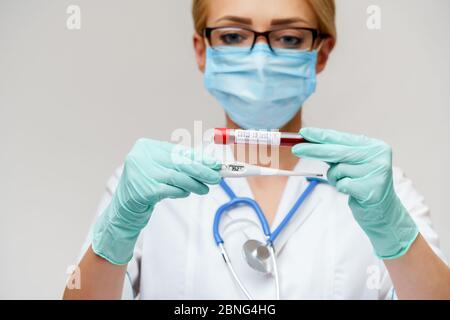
(325,11)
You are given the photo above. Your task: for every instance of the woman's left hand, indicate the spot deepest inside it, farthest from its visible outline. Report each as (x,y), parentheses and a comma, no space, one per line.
(362,168)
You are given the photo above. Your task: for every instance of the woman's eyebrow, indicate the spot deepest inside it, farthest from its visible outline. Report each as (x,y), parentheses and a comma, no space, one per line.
(276,22)
(241,20)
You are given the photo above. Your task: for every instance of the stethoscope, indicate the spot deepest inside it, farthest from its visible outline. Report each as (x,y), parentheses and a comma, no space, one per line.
(259,256)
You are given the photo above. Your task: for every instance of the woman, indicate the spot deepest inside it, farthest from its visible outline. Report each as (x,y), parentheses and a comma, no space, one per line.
(365,235)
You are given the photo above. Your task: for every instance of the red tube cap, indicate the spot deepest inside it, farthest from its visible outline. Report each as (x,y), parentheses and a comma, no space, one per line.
(221,136)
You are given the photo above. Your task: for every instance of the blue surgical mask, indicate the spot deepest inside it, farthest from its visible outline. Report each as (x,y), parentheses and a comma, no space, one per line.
(260,89)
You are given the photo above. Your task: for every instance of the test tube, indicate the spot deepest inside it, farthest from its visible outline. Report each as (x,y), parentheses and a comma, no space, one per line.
(257,137)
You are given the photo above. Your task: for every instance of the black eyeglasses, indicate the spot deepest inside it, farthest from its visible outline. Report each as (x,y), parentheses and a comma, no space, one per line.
(299,39)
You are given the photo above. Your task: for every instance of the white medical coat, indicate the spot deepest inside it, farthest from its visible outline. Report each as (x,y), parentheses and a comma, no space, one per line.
(321,254)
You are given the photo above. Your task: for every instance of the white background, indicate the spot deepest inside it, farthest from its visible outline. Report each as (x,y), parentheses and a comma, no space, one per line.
(73,102)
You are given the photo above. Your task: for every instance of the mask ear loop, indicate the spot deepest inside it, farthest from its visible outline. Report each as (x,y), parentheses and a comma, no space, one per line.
(322,39)
(320,46)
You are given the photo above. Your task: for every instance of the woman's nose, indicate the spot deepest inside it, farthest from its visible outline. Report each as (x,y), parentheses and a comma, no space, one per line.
(261,39)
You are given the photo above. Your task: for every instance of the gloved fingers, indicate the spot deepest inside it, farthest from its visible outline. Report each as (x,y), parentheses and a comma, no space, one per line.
(173,192)
(331,153)
(183,181)
(339,171)
(200,172)
(199,156)
(327,136)
(187,155)
(148,191)
(351,187)
(185,161)
(173,154)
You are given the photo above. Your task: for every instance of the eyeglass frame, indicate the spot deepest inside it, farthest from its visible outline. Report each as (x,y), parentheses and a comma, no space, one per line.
(316,34)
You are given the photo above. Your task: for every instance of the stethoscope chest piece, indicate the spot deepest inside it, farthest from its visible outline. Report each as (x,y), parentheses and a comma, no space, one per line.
(257,255)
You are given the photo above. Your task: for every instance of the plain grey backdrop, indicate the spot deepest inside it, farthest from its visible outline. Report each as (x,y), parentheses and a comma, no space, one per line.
(73,102)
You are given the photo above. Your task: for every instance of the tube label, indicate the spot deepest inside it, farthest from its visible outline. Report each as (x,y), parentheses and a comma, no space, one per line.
(272,138)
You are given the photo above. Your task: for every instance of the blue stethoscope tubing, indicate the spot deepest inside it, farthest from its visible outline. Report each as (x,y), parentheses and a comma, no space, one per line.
(270,236)
(236,201)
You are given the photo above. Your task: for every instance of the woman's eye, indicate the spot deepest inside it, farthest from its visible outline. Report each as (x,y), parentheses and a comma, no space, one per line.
(232,38)
(291,41)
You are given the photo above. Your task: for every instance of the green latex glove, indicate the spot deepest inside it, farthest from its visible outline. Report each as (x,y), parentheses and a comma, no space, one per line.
(362,168)
(153,171)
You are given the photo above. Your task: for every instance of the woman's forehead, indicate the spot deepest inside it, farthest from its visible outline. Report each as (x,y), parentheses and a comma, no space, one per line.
(261,12)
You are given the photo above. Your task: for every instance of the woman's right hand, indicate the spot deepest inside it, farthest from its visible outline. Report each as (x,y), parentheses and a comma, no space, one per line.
(153,171)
